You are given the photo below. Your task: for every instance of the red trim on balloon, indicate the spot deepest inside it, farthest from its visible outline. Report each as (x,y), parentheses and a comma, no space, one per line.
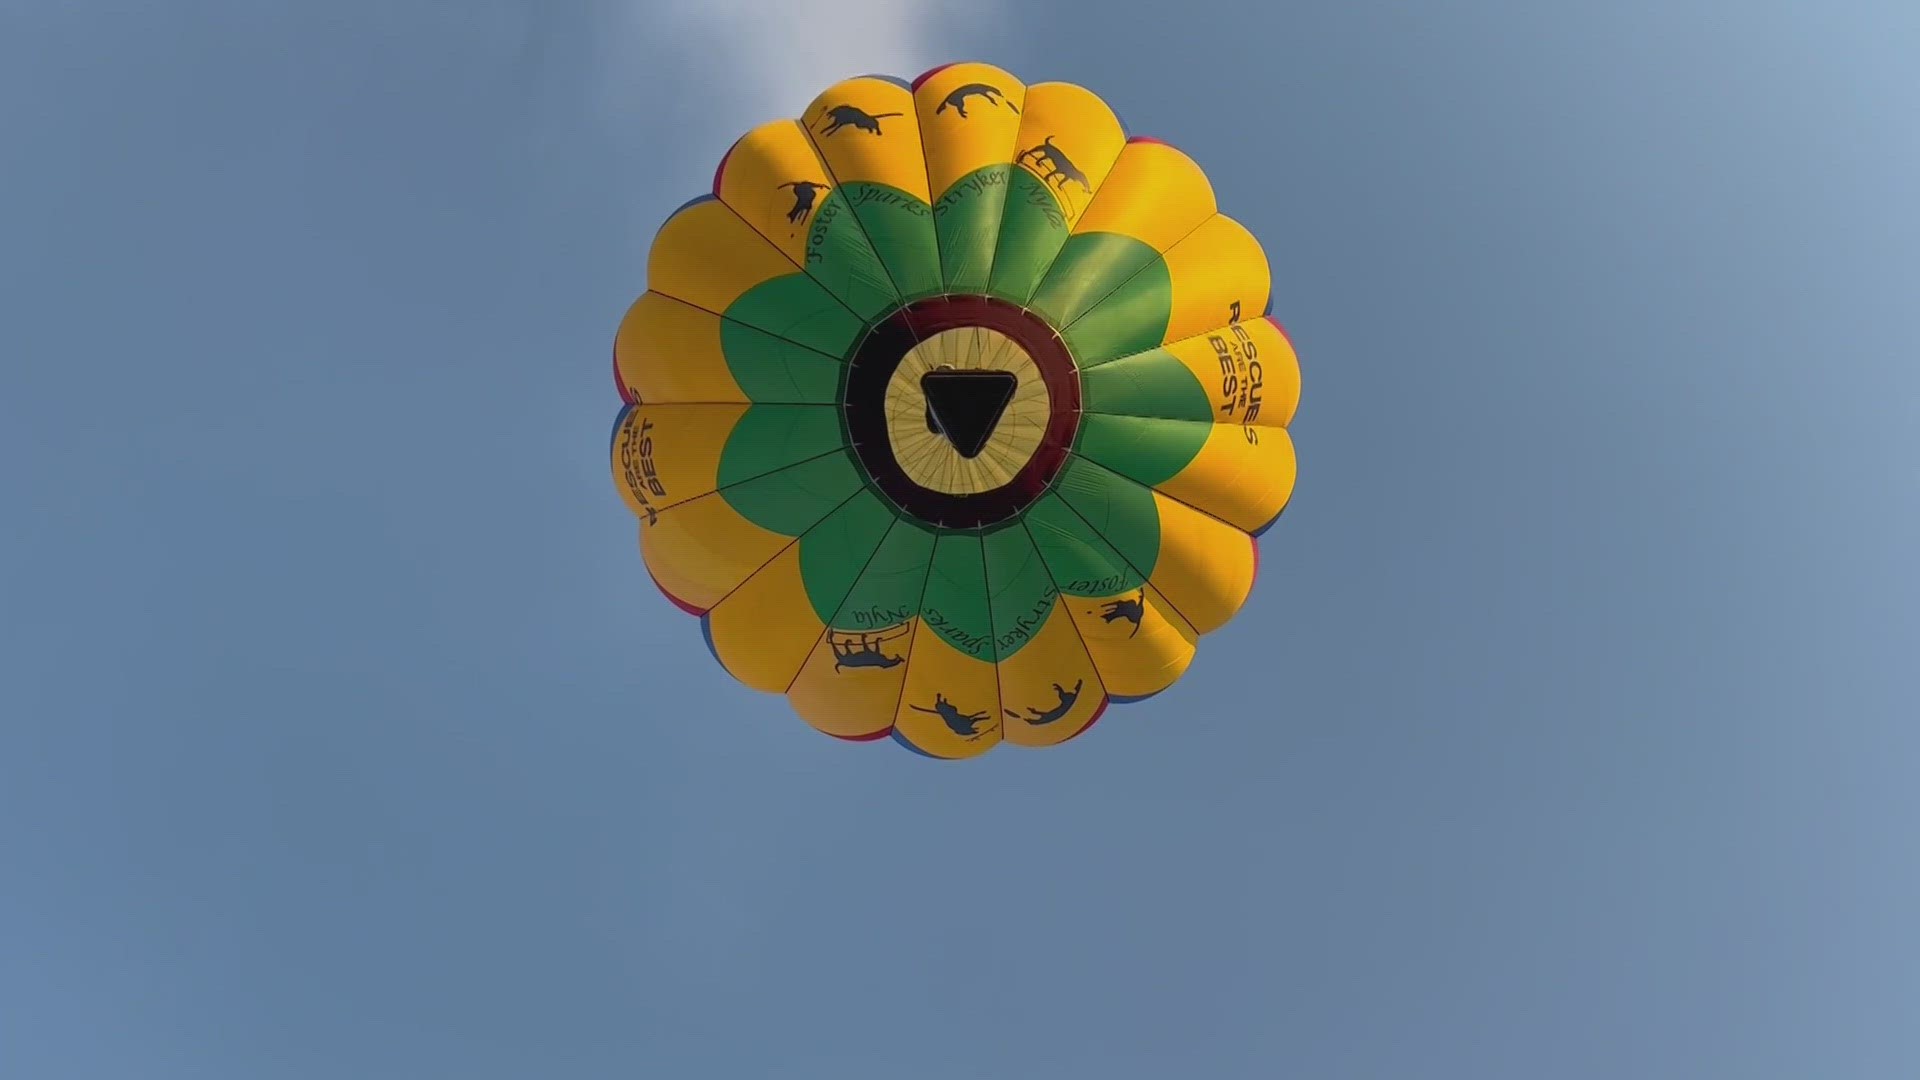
(1105,700)
(720,169)
(620,383)
(674,600)
(930,73)
(875,737)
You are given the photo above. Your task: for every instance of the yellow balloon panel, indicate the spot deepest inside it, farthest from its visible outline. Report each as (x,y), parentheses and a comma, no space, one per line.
(1218,271)
(1242,476)
(764,630)
(1049,689)
(1206,566)
(707,256)
(969,118)
(851,684)
(667,350)
(1136,640)
(774,179)
(865,129)
(1155,194)
(665,455)
(702,550)
(951,704)
(1069,140)
(1271,371)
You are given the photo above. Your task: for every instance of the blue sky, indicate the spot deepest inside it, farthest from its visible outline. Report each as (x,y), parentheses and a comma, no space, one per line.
(343,734)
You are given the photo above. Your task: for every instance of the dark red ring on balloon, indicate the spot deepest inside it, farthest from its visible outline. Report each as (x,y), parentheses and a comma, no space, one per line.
(865,400)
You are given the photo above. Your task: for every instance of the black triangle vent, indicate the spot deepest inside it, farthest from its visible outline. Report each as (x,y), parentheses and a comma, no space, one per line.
(965,406)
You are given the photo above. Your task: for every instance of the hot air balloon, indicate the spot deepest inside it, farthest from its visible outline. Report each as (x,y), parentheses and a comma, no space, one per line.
(954,412)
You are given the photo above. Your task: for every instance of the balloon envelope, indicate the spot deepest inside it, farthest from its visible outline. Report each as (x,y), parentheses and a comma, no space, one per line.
(954,412)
